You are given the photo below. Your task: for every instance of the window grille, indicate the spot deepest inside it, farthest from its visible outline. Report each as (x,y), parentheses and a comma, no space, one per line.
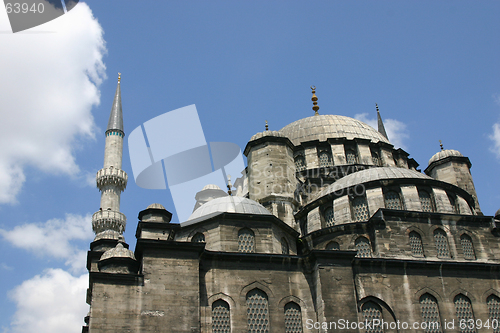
(333,246)
(493,303)
(360,209)
(416,246)
(426,201)
(198,238)
(363,248)
(467,247)
(284,246)
(441,244)
(257,312)
(300,163)
(246,241)
(293,318)
(351,156)
(430,314)
(325,159)
(329,221)
(464,311)
(221,321)
(372,311)
(393,200)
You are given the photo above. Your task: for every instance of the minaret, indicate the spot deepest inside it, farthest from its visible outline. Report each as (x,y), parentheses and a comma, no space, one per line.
(108,222)
(380,123)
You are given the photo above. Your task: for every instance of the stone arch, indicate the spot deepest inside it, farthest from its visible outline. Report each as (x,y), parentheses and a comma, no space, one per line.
(430,291)
(488,293)
(462,291)
(256,285)
(195,231)
(228,299)
(287,299)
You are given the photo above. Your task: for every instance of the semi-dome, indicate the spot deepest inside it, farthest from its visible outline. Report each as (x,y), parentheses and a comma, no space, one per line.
(372,174)
(443,154)
(323,127)
(229,204)
(211,187)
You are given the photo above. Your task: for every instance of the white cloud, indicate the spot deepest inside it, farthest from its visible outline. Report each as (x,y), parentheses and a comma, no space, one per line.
(396,130)
(54,238)
(495,137)
(53,302)
(49,85)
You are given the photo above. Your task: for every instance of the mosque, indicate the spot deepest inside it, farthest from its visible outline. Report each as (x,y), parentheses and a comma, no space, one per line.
(333,229)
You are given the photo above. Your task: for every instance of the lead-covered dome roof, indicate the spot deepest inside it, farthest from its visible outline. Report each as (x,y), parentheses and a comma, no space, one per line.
(323,127)
(229,204)
(445,153)
(372,174)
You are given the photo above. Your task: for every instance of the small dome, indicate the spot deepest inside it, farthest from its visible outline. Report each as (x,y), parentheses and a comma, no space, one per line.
(156,206)
(211,187)
(267,133)
(229,204)
(497,215)
(118,252)
(443,154)
(323,127)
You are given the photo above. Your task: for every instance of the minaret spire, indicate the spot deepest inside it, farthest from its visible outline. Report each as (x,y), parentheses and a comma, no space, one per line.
(381,128)
(108,222)
(116,117)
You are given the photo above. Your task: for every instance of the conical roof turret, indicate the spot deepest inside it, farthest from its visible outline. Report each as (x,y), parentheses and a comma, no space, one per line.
(380,123)
(116,117)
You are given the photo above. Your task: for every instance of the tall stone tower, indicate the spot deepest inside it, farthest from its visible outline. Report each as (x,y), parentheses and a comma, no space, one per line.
(108,222)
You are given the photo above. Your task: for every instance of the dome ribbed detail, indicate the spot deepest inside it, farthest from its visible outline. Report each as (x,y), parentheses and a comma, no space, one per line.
(323,127)
(230,204)
(443,154)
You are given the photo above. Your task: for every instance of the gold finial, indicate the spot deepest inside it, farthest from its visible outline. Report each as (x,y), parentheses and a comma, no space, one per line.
(119,77)
(314,99)
(441,144)
(229,185)
(267,126)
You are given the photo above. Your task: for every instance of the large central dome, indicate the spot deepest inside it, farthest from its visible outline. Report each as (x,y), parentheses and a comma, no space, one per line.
(322,127)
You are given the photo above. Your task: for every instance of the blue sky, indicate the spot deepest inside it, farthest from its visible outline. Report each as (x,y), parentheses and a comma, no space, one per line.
(432,67)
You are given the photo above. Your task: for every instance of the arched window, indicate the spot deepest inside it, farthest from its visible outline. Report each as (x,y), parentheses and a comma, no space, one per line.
(430,314)
(293,318)
(329,221)
(284,246)
(221,319)
(351,156)
(360,209)
(333,246)
(363,248)
(493,303)
(376,159)
(463,307)
(416,246)
(257,312)
(300,163)
(198,238)
(372,311)
(393,200)
(467,247)
(426,201)
(442,247)
(325,159)
(246,241)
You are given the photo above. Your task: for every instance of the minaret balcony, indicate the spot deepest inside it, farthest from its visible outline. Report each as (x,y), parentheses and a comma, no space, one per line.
(112,176)
(108,220)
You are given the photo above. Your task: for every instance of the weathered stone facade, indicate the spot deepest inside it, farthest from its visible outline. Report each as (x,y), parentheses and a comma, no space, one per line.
(335,227)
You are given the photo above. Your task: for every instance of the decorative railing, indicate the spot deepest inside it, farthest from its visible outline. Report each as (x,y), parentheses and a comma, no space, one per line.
(108,220)
(112,176)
